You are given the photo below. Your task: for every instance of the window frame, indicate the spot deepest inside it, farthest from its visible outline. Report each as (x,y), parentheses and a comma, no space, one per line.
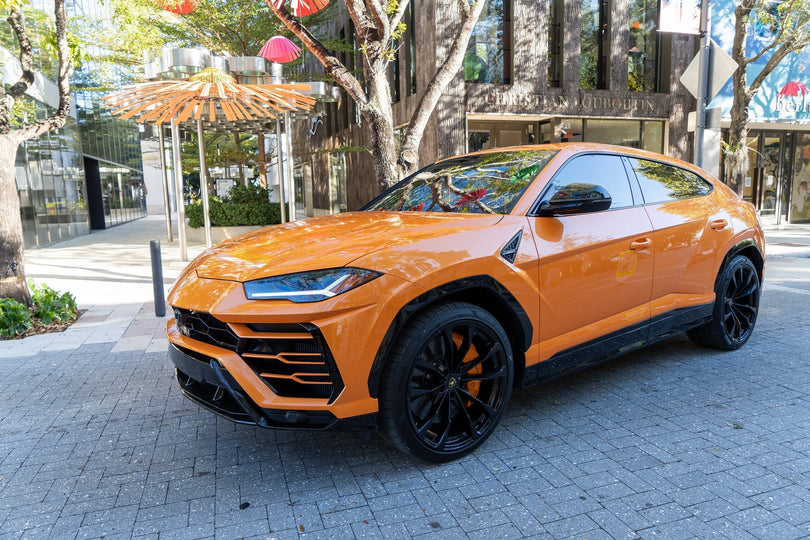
(635,191)
(630,169)
(508,45)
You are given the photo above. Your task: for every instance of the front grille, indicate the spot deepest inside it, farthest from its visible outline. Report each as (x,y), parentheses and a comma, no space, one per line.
(292,359)
(203,327)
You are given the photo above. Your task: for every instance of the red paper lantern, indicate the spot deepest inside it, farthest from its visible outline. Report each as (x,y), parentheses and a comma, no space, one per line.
(303,8)
(181,8)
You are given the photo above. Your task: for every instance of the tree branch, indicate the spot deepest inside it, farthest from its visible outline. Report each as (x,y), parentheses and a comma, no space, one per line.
(241,27)
(383,29)
(776,40)
(332,65)
(409,151)
(365,28)
(741,15)
(466,9)
(17,23)
(786,48)
(63,110)
(396,17)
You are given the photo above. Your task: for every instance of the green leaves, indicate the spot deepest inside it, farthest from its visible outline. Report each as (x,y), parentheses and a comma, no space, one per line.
(50,305)
(78,54)
(11,4)
(14,318)
(244,205)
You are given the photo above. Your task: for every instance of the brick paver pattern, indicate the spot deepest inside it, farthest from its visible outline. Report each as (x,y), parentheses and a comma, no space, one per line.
(672,441)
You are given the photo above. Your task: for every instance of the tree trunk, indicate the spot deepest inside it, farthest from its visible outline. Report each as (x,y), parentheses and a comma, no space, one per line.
(380,115)
(12,270)
(374,25)
(737,154)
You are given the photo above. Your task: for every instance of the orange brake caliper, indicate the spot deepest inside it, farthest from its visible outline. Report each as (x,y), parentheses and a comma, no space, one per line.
(472,386)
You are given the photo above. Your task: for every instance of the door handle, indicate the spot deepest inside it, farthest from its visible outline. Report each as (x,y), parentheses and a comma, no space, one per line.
(638,245)
(718,224)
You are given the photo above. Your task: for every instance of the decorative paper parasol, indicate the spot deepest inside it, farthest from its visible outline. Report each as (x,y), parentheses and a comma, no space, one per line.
(280,49)
(181,8)
(205,96)
(302,8)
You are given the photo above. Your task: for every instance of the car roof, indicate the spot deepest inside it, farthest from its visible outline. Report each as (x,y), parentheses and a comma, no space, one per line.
(569,149)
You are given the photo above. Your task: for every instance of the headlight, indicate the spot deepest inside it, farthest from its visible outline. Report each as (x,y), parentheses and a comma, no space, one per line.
(309,286)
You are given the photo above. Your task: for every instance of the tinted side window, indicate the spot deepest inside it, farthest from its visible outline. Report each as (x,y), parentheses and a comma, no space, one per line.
(602,170)
(663,183)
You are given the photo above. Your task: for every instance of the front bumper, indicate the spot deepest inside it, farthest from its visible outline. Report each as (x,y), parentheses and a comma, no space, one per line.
(293,365)
(204,380)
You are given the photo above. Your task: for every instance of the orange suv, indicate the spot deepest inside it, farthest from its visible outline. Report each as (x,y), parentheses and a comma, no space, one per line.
(419,313)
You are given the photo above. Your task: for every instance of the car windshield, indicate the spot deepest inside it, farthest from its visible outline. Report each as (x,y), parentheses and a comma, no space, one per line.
(483,183)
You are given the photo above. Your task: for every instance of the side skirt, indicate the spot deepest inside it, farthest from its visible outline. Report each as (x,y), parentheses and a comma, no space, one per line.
(616,344)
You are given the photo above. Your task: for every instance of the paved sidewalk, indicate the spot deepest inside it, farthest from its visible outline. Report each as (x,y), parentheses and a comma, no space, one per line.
(110,274)
(673,441)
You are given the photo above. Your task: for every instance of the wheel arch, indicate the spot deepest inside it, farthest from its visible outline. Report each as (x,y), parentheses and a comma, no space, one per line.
(483,291)
(748,248)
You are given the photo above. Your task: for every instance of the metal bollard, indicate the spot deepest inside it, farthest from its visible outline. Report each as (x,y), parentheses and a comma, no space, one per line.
(157,278)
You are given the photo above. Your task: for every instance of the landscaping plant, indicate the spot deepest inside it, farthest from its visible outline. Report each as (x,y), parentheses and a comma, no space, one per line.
(14,318)
(244,205)
(50,305)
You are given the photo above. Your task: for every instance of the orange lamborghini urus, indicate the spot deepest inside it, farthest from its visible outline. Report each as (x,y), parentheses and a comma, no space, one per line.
(420,313)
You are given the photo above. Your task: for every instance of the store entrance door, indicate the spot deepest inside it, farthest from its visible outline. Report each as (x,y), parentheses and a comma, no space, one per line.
(768,171)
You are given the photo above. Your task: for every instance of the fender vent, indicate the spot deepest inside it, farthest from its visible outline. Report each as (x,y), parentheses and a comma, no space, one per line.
(509,251)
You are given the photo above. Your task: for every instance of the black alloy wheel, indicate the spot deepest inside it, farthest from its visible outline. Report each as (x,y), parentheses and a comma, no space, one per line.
(447,383)
(735,308)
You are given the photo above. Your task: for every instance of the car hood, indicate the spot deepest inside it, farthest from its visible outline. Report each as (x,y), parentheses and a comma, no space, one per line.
(326,242)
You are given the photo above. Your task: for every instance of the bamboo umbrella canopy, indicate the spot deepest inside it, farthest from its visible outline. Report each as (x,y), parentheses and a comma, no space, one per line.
(211,95)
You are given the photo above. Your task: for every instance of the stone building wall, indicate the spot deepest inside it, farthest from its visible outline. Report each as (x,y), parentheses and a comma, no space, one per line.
(529,93)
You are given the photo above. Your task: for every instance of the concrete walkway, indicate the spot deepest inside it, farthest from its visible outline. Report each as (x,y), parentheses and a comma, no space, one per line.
(109,272)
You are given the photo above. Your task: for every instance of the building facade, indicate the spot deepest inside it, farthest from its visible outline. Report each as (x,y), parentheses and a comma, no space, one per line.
(49,171)
(534,72)
(779,124)
(86,175)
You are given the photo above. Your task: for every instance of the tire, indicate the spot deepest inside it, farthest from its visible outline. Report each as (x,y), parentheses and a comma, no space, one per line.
(735,307)
(447,382)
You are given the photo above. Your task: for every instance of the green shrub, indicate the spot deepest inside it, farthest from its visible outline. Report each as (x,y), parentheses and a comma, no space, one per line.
(14,318)
(244,205)
(50,305)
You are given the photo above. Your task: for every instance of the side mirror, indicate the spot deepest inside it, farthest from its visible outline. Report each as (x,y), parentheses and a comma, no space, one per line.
(576,199)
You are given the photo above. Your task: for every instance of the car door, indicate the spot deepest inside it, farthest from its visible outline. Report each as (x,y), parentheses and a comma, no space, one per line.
(690,230)
(594,269)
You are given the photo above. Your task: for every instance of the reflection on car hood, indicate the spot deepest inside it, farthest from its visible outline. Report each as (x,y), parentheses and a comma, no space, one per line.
(327,242)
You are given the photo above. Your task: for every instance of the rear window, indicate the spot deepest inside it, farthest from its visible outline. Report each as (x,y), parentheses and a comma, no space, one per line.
(661,182)
(481,184)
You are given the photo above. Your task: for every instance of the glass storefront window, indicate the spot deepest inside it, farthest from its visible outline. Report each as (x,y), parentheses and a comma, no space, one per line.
(652,136)
(569,130)
(489,52)
(337,184)
(621,132)
(594,45)
(799,211)
(643,52)
(555,41)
